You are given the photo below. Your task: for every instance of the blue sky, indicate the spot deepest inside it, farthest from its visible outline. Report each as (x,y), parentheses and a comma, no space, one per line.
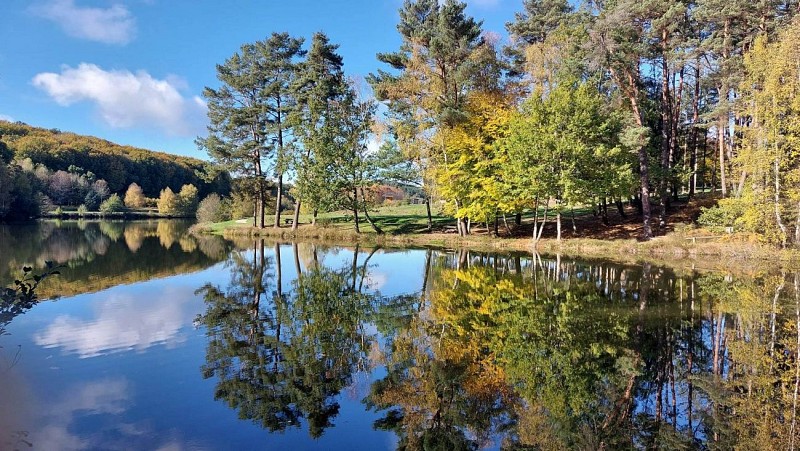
(133,71)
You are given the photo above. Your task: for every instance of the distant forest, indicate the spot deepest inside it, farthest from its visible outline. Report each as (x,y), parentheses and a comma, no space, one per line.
(41,169)
(118,165)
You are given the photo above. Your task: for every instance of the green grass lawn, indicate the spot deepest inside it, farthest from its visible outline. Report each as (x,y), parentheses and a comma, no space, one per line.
(394,219)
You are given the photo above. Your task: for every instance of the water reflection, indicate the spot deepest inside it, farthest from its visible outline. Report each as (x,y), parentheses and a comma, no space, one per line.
(511,351)
(96,255)
(282,355)
(416,348)
(121,320)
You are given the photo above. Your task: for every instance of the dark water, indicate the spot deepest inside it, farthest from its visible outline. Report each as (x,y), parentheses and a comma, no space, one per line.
(157,340)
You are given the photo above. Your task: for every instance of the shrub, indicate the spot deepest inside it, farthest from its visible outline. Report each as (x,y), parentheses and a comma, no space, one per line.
(213,209)
(725,214)
(112,205)
(82,210)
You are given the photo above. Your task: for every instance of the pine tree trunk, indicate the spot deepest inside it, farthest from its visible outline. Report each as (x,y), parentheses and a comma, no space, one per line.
(630,86)
(278,197)
(666,129)
(695,120)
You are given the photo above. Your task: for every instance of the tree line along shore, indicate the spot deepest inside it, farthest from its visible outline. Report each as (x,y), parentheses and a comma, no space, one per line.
(626,111)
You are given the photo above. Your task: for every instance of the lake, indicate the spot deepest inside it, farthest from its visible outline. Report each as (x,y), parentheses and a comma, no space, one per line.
(154,339)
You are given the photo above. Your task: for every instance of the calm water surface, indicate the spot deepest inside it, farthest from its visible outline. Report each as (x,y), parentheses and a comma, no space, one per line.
(153,339)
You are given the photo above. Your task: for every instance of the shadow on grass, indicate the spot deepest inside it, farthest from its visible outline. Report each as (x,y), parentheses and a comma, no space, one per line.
(402,225)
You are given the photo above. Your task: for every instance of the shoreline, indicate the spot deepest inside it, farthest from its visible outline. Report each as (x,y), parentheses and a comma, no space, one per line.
(732,252)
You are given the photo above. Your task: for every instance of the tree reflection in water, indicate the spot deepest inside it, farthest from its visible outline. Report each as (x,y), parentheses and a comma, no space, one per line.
(280,357)
(514,352)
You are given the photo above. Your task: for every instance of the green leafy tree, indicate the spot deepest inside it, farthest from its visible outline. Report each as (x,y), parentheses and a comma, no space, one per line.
(565,146)
(113,204)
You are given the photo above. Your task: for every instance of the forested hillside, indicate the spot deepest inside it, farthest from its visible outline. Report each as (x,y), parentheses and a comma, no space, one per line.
(118,165)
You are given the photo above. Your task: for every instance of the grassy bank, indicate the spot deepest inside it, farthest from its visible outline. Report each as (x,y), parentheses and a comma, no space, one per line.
(682,244)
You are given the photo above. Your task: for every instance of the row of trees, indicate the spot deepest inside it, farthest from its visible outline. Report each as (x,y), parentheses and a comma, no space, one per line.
(588,103)
(596,103)
(283,110)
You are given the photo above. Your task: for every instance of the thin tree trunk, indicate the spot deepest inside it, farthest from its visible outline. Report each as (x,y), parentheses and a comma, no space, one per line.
(777,201)
(355,209)
(278,197)
(797,227)
(278,272)
(631,90)
(695,119)
(558,224)
(428,211)
(296,218)
(572,217)
(666,129)
(620,208)
(508,229)
(369,219)
(296,253)
(724,115)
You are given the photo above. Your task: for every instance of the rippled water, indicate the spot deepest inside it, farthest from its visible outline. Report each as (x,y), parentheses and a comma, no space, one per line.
(153,339)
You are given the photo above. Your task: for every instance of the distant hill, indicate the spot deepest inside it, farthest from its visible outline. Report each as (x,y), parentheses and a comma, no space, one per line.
(119,165)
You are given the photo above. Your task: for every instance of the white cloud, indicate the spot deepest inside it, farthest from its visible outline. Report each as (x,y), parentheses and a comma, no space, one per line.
(5,117)
(125,99)
(124,322)
(112,25)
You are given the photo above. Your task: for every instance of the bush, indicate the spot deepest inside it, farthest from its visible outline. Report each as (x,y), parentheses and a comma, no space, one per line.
(213,209)
(112,205)
(58,211)
(82,210)
(726,214)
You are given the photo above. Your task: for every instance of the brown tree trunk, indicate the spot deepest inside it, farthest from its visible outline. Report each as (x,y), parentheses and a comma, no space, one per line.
(355,209)
(666,129)
(695,119)
(296,218)
(369,219)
